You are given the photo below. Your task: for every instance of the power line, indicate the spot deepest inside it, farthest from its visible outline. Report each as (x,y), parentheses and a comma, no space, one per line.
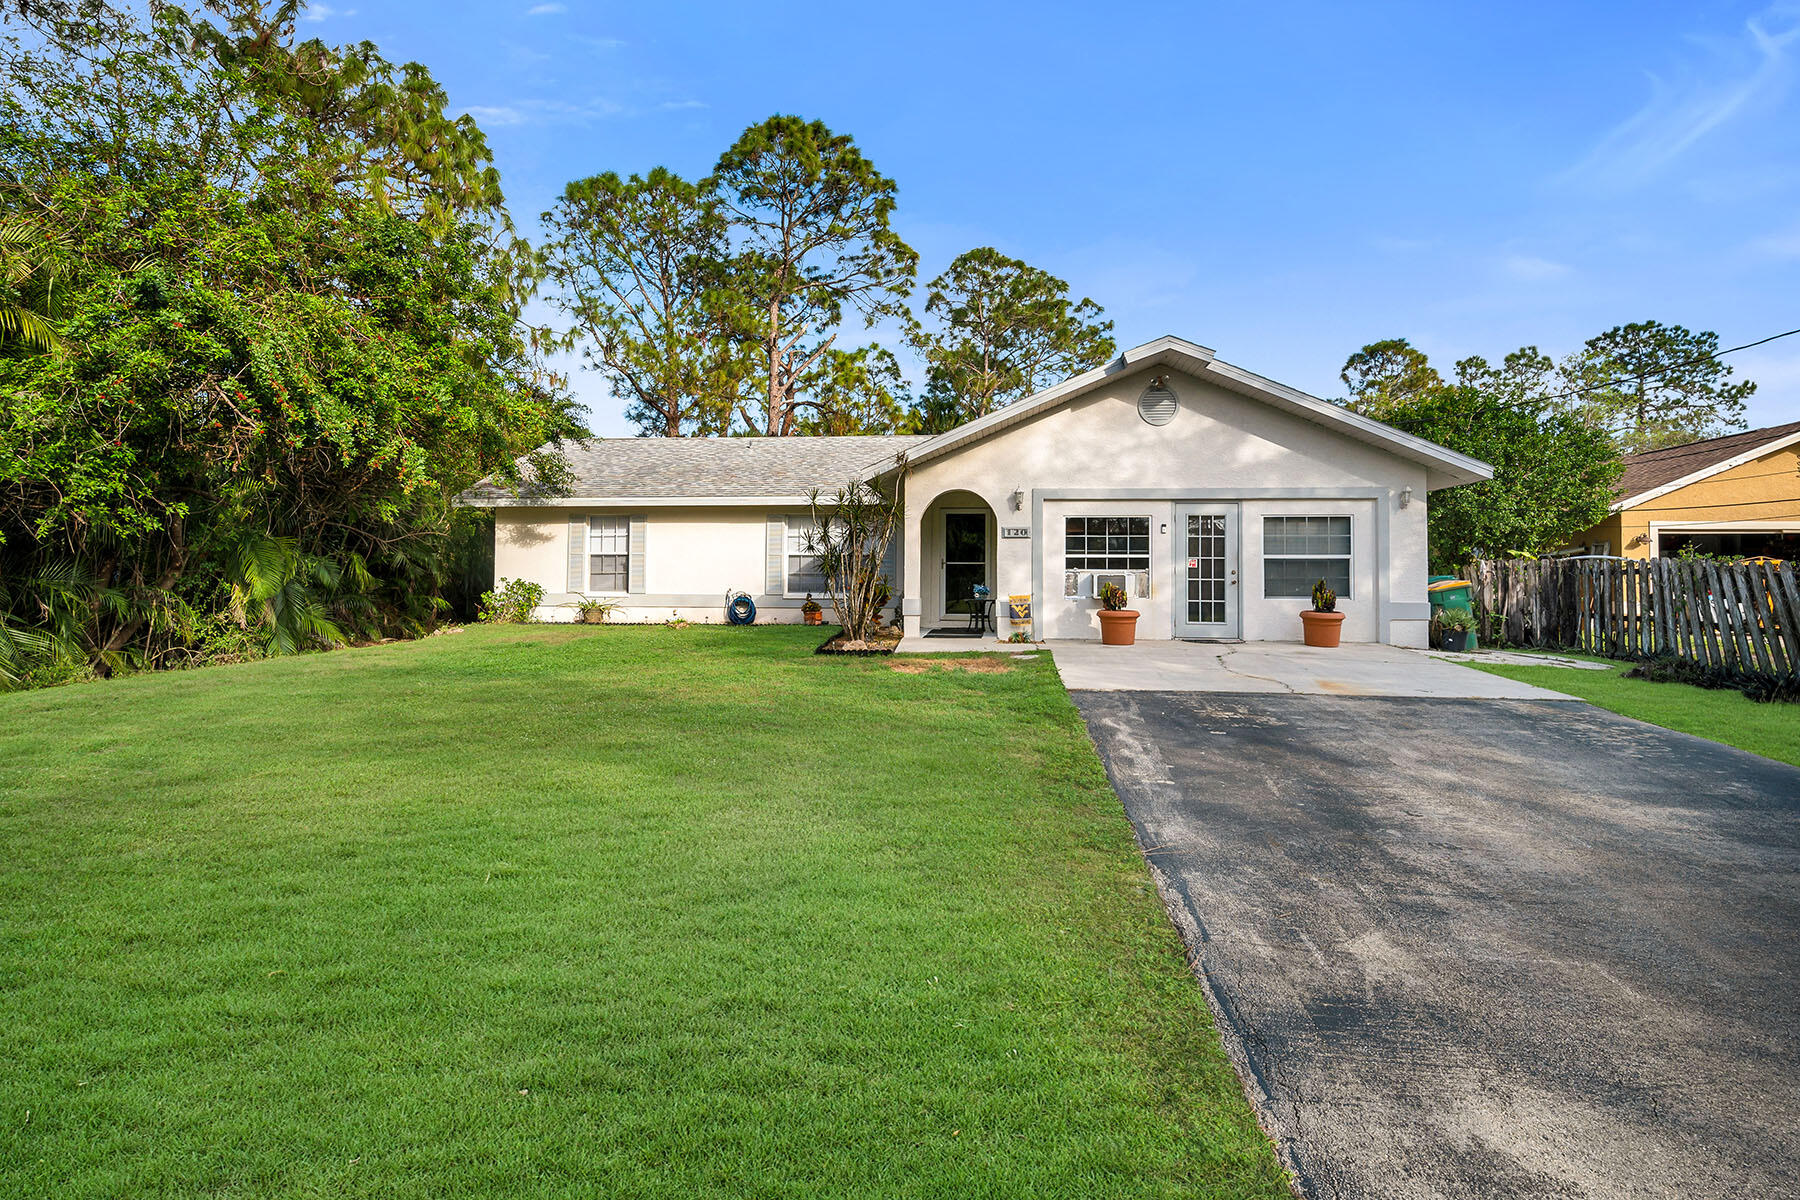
(1594,387)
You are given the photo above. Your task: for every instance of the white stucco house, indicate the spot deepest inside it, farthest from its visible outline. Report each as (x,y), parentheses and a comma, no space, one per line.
(1215,495)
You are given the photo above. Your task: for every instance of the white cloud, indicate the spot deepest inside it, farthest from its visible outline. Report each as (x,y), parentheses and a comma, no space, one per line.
(321,12)
(1779,245)
(1530,268)
(538,111)
(546,10)
(678,105)
(600,43)
(495,114)
(1751,69)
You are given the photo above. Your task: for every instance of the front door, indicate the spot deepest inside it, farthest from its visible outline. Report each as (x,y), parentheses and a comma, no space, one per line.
(1206,574)
(965,559)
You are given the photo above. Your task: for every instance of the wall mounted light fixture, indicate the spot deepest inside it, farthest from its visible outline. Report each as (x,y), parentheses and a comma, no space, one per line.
(1405,496)
(1018,499)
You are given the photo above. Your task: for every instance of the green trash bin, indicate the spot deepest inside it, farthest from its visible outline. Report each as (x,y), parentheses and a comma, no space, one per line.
(1448,592)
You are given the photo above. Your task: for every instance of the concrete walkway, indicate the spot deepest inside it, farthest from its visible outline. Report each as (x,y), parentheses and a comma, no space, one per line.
(1279,668)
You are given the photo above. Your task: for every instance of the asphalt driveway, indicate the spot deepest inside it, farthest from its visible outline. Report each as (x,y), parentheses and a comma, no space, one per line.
(1483,948)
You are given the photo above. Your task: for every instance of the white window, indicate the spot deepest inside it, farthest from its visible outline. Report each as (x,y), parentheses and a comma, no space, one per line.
(1106,544)
(804,574)
(1300,551)
(609,554)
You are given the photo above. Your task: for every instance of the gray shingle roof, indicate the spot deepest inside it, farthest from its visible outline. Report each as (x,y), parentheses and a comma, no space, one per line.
(705,468)
(1653,468)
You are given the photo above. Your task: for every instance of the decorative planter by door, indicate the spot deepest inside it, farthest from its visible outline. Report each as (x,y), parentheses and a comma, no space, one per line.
(1118,627)
(1321,628)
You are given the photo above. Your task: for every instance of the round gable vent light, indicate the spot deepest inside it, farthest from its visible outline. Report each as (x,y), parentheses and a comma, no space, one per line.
(1157,404)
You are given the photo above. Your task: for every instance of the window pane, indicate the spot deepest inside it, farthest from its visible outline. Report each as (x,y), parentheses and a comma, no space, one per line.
(1294,577)
(1106,543)
(606,572)
(805,575)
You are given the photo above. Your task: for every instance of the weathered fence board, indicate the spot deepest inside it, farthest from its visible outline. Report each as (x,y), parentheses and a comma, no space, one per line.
(1741,616)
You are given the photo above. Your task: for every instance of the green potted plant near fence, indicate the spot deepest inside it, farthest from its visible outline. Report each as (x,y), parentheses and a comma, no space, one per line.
(1453,629)
(1118,624)
(1322,624)
(811,612)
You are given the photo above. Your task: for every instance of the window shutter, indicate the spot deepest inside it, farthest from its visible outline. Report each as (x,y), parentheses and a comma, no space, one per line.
(634,566)
(890,565)
(578,528)
(775,577)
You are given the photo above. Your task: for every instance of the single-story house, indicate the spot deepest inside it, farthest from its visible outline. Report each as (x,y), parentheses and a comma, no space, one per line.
(1217,497)
(1735,495)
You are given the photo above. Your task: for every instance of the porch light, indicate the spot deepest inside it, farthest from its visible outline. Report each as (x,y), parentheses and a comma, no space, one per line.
(1405,496)
(1018,499)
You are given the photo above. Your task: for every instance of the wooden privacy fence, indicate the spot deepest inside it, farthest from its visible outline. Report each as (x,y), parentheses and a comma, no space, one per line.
(1742,617)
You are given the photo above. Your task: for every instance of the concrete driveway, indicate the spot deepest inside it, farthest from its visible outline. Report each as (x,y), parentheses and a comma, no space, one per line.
(1480,949)
(1279,668)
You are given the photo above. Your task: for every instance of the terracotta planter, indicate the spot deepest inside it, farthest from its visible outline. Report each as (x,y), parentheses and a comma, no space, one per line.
(1118,627)
(1321,628)
(597,617)
(813,618)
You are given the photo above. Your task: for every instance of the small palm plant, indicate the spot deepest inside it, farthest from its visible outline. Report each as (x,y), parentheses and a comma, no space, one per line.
(26,254)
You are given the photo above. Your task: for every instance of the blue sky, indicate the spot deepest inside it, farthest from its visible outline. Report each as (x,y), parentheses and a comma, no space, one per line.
(1282,183)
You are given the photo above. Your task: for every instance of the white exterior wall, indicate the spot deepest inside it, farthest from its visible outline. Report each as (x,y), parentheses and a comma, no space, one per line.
(692,556)
(1093,455)
(1096,455)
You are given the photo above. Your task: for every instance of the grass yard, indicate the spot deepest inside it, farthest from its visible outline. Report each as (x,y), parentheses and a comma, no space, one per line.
(1771,730)
(571,911)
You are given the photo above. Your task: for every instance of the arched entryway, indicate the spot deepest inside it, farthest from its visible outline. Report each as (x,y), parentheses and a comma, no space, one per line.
(956,545)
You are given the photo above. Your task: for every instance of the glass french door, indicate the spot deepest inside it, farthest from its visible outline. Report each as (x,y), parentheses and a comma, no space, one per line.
(1206,570)
(965,559)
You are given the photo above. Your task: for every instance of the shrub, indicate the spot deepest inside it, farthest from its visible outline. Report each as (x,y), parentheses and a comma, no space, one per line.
(1323,598)
(513,601)
(1761,688)
(1458,620)
(1113,597)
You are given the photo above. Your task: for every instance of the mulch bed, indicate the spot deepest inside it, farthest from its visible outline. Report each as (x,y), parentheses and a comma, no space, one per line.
(882,643)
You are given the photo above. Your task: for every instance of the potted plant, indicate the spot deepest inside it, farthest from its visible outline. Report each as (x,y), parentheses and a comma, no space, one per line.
(811,612)
(1454,629)
(1118,624)
(594,612)
(1323,624)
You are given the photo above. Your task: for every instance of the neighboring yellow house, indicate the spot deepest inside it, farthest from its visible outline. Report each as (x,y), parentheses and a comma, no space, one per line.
(1736,495)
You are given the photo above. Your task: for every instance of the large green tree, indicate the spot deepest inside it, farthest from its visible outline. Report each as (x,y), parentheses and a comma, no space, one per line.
(1003,329)
(1554,474)
(1385,376)
(854,392)
(290,302)
(638,265)
(1654,385)
(1554,471)
(811,218)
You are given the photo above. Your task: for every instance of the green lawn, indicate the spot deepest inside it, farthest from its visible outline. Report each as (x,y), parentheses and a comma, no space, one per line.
(536,911)
(1771,730)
